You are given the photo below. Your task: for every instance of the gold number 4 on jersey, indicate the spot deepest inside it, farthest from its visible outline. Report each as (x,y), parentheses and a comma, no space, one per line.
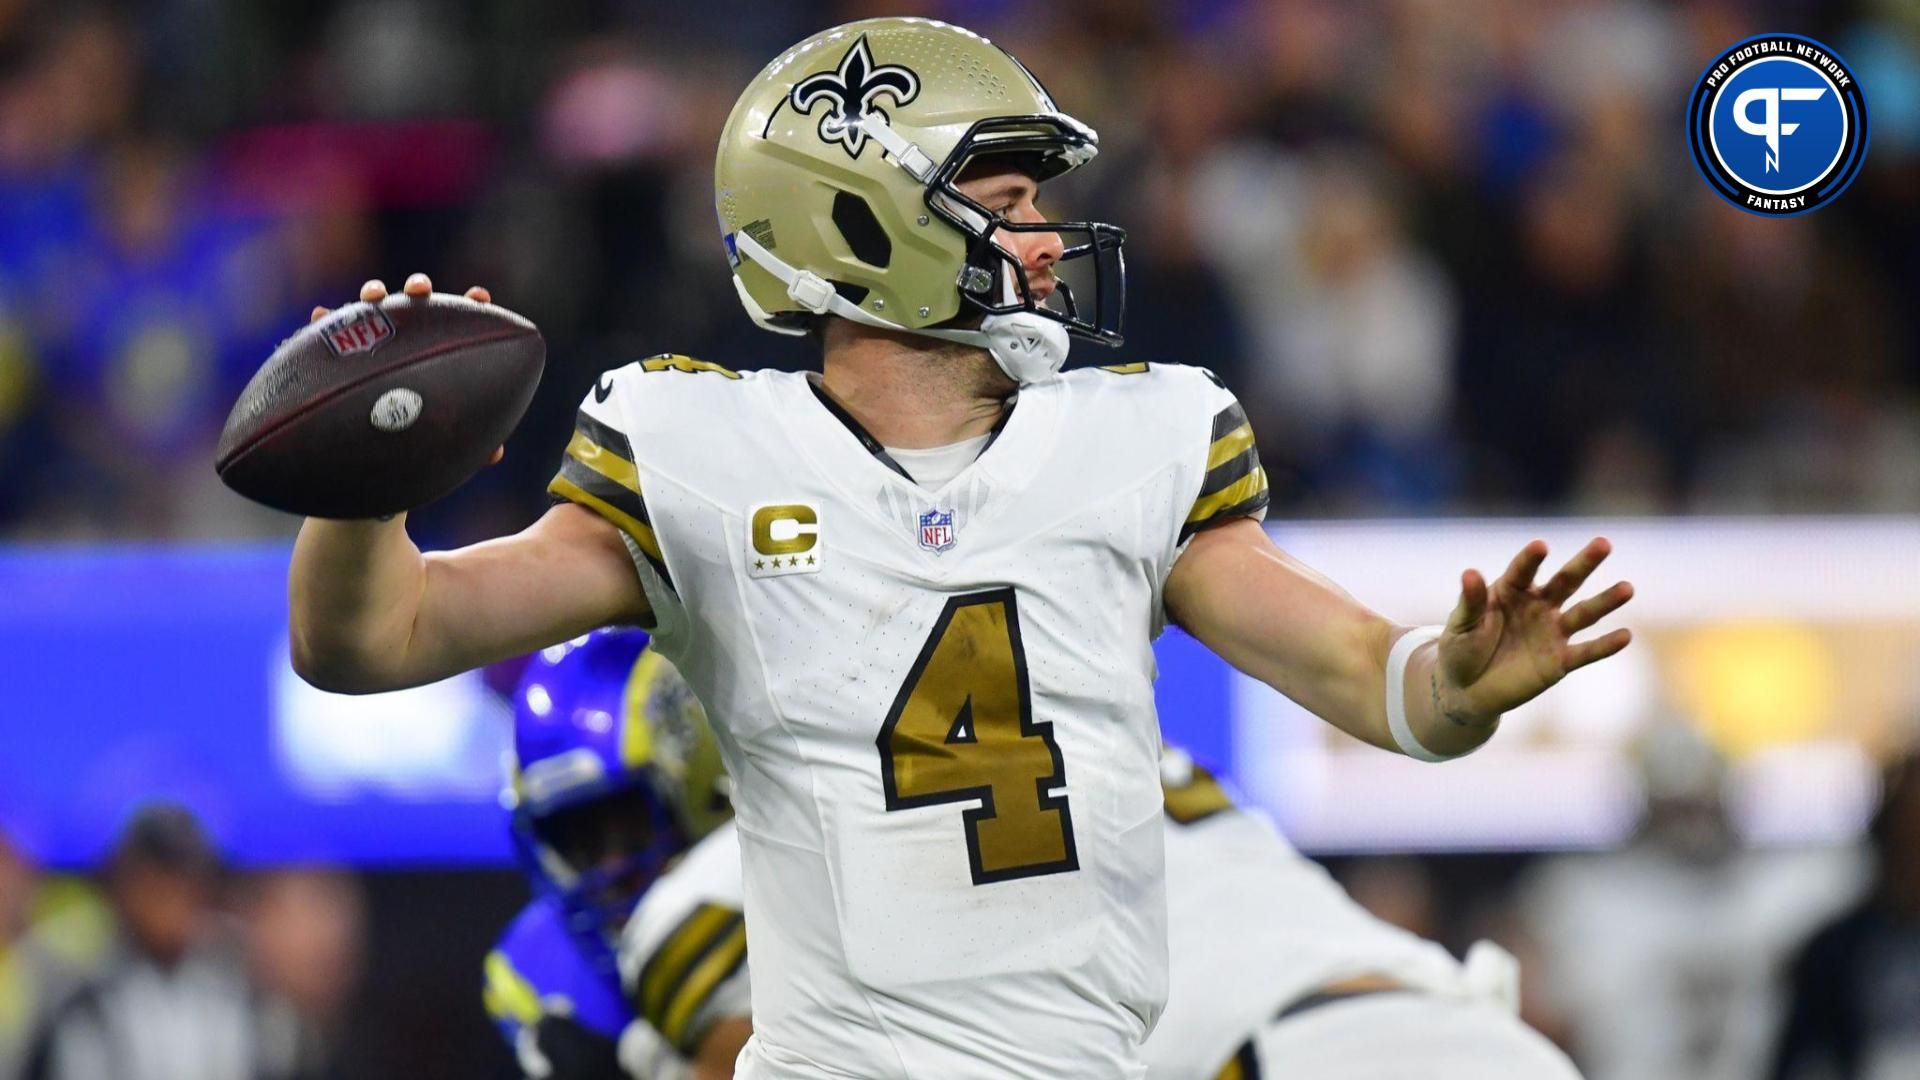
(962,730)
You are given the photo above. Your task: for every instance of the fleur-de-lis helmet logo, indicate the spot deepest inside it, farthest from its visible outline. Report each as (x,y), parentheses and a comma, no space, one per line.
(852,91)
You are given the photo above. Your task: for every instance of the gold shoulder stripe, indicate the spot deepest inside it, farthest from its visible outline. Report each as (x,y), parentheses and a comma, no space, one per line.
(623,497)
(667,971)
(1243,498)
(1229,446)
(676,362)
(1136,368)
(602,434)
(712,968)
(597,471)
(1230,472)
(607,463)
(1234,484)
(1241,490)
(641,532)
(508,995)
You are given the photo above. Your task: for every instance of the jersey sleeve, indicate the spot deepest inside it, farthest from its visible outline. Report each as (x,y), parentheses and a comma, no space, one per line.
(694,975)
(683,957)
(600,472)
(1233,485)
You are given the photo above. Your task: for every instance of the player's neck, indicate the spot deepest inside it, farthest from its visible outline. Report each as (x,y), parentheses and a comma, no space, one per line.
(912,392)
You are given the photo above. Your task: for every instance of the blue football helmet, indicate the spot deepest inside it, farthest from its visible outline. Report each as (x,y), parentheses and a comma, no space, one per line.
(614,773)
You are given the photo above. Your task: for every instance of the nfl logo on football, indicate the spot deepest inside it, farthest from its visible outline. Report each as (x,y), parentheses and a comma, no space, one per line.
(357,329)
(936,530)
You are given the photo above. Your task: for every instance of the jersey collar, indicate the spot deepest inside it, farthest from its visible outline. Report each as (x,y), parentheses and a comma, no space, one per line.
(873,446)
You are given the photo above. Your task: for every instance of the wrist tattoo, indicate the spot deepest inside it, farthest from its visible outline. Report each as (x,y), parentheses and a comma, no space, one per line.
(1459,719)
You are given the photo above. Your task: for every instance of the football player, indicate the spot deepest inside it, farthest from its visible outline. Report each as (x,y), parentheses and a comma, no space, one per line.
(917,590)
(1276,972)
(615,776)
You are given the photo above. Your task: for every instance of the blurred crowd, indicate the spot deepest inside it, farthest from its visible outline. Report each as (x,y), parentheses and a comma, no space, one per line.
(1451,253)
(166,967)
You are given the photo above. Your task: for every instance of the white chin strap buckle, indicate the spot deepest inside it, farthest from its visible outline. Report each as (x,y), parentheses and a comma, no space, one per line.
(1030,348)
(811,291)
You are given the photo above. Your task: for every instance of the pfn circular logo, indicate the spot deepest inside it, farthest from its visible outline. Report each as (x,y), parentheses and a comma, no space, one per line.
(1778,125)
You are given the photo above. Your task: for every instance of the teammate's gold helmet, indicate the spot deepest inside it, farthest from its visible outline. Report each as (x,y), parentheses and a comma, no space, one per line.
(835,189)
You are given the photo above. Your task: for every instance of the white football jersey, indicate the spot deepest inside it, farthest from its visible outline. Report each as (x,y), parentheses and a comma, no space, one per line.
(936,705)
(1254,926)
(683,959)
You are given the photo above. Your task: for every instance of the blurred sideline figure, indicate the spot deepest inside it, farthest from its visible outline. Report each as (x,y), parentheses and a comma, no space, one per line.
(615,776)
(52,934)
(305,931)
(1855,988)
(1662,959)
(21,992)
(173,999)
(1276,973)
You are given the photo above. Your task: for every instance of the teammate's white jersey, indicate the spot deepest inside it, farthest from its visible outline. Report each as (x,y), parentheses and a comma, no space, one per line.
(936,706)
(683,959)
(1255,926)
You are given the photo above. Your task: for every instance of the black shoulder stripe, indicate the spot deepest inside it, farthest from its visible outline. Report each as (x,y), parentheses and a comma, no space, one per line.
(603,435)
(1247,508)
(1222,476)
(1228,420)
(605,488)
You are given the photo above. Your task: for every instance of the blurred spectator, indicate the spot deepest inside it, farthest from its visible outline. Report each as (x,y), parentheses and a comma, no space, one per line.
(23,991)
(1660,959)
(173,1001)
(1855,988)
(306,941)
(1450,255)
(1398,891)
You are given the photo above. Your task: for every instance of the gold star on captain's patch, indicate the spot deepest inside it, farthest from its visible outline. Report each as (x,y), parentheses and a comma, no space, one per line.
(793,560)
(809,560)
(759,564)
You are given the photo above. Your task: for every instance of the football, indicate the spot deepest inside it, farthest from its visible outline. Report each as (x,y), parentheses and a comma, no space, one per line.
(379,408)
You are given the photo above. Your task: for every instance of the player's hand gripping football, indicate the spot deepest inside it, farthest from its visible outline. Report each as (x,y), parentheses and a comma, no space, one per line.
(1508,641)
(418,286)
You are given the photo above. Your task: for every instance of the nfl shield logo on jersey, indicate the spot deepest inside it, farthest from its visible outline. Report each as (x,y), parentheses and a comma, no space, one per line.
(936,530)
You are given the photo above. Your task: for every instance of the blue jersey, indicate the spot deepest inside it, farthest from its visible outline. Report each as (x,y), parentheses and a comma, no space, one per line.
(541,968)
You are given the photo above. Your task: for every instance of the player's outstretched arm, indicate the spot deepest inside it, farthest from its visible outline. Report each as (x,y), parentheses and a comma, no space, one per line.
(368,611)
(1280,622)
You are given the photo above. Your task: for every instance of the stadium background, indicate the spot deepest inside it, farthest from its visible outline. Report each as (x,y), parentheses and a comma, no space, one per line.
(1452,254)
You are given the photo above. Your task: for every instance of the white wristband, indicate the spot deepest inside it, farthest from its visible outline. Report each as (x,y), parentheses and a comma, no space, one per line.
(1397,694)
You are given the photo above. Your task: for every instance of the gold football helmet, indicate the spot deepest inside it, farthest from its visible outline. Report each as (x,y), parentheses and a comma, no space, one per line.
(835,186)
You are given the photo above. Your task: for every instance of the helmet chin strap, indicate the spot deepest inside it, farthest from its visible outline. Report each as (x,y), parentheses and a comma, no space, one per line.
(1030,348)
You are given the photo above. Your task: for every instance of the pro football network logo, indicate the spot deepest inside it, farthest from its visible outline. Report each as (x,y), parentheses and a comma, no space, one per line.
(356,328)
(1778,125)
(936,530)
(851,91)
